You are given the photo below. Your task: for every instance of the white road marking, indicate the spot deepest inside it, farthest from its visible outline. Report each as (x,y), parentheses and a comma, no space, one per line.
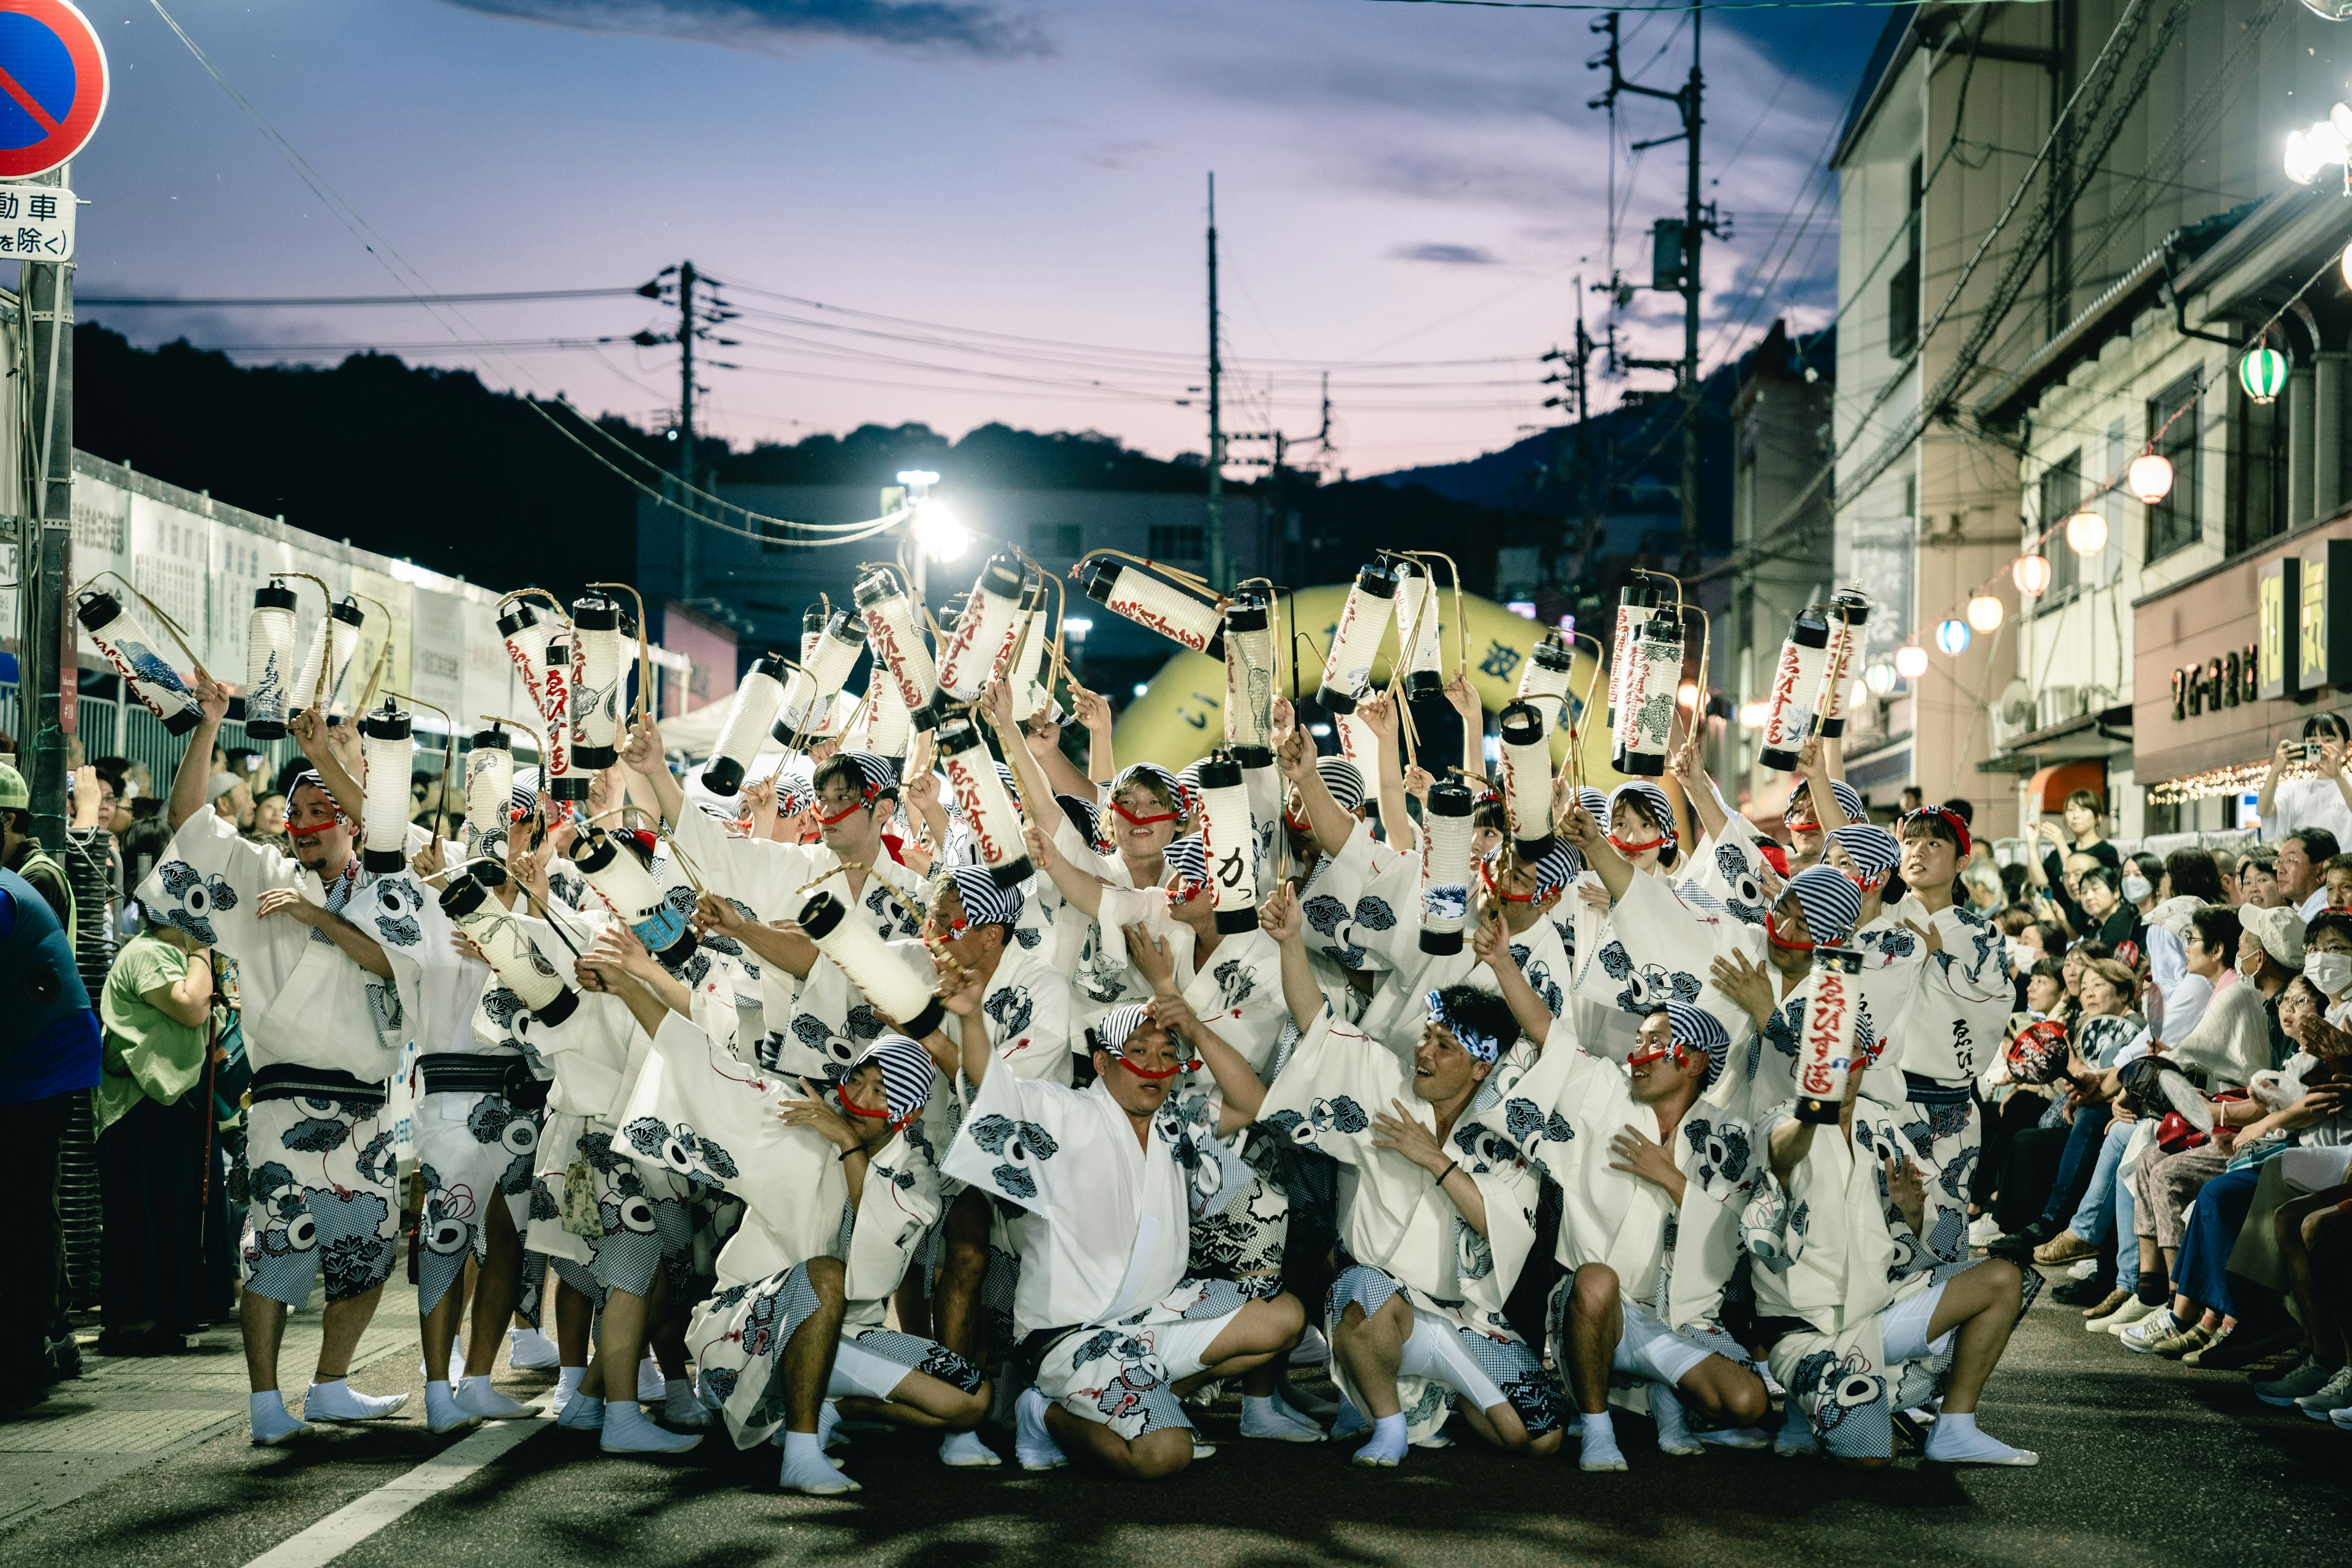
(356,1520)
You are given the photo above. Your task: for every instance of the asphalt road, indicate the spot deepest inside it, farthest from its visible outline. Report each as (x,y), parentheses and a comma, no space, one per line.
(2144,1463)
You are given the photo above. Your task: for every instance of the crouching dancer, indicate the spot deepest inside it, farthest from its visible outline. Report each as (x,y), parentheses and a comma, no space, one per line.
(1861,1335)
(1109,1181)
(1436,1215)
(1654,1183)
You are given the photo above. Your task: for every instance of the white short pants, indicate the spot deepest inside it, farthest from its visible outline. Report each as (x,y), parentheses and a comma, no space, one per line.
(860,1373)
(1649,1349)
(1904,1327)
(1184,1347)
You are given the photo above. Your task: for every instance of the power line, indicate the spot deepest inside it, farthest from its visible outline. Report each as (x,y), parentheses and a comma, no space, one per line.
(161,301)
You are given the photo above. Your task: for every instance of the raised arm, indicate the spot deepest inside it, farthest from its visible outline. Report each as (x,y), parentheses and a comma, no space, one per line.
(1462,698)
(642,754)
(189,999)
(1242,1092)
(1280,918)
(196,761)
(1396,816)
(1333,826)
(1705,801)
(1093,712)
(1081,889)
(309,731)
(1616,872)
(782,945)
(2266,803)
(1493,945)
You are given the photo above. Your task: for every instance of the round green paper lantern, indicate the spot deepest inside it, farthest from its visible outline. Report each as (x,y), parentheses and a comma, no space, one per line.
(2263,373)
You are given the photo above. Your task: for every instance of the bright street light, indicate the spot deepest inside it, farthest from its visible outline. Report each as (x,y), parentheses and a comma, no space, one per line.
(937,530)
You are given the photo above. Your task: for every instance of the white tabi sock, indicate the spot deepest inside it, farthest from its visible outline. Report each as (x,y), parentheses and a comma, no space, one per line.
(649,1380)
(806,1469)
(965,1450)
(336,1402)
(528,1350)
(1674,1433)
(1388,1444)
(1795,1438)
(1955,1439)
(442,1411)
(272,1423)
(682,1408)
(478,1396)
(567,1384)
(1032,1443)
(1266,1417)
(582,1413)
(1597,1438)
(627,1431)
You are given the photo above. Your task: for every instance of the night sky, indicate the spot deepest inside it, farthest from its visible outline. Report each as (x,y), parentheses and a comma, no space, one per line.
(1397,186)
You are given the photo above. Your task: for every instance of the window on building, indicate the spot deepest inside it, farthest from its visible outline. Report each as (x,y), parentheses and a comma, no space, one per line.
(774,538)
(1058,539)
(2172,523)
(2257,459)
(1177,541)
(1903,287)
(2062,492)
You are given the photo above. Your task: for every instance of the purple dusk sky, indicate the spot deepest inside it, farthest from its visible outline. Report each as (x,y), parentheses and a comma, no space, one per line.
(1405,195)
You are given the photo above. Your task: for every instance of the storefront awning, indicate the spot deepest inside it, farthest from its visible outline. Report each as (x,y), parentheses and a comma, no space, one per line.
(2100,735)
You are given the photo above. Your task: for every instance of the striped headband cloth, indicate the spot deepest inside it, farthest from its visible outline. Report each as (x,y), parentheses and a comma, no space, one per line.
(1652,802)
(1158,778)
(984,903)
(1084,816)
(795,790)
(310,776)
(1831,901)
(1188,859)
(1481,1045)
(879,773)
(1873,849)
(1344,779)
(1012,786)
(1115,1028)
(1697,1029)
(1848,800)
(1595,803)
(908,1074)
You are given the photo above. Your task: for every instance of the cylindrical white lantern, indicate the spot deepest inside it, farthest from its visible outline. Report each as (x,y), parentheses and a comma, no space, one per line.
(146,673)
(748,714)
(506,946)
(388,753)
(1544,681)
(596,684)
(799,713)
(833,658)
(885,729)
(563,781)
(1447,826)
(1125,590)
(1527,780)
(984,632)
(1230,840)
(333,644)
(1249,683)
(813,621)
(899,646)
(1416,617)
(525,635)
(489,791)
(1637,601)
(614,869)
(1825,1052)
(1348,671)
(989,814)
(1795,682)
(1848,613)
(897,992)
(1029,640)
(269,661)
(1645,697)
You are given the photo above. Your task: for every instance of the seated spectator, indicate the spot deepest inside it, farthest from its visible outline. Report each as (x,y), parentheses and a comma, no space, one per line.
(2258,882)
(2313,1239)
(2049,1165)
(2193,873)
(2336,880)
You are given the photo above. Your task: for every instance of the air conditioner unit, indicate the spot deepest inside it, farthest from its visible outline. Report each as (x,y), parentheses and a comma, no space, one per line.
(2062,704)
(2014,714)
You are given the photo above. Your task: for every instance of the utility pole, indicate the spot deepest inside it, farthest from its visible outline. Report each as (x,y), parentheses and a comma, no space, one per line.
(1217,521)
(1675,259)
(45,537)
(1282,445)
(690,328)
(1576,378)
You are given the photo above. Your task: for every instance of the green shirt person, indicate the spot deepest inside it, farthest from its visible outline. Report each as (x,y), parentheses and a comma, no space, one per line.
(157,1012)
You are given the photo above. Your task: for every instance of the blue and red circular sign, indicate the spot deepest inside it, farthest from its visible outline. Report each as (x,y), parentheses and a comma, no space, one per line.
(53,85)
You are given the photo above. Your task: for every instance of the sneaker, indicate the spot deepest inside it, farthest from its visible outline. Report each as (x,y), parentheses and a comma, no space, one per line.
(2243,1347)
(2341,1420)
(2336,1393)
(1983,1230)
(2106,1306)
(2064,1247)
(2131,1313)
(2082,1270)
(2196,1337)
(2308,1377)
(2145,1336)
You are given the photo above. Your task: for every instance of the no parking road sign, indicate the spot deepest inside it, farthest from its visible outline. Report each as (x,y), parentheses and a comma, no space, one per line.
(53,85)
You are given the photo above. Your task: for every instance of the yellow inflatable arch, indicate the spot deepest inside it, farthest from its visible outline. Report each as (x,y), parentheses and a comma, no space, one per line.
(1181,716)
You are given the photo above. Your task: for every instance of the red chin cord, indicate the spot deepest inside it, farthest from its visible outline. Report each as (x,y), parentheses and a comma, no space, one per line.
(896,1124)
(1644,1058)
(1147,1073)
(845,812)
(1772,935)
(1130,817)
(1629,850)
(293,832)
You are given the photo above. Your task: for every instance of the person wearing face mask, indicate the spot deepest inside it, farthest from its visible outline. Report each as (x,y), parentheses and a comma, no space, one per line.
(2139,884)
(2327,963)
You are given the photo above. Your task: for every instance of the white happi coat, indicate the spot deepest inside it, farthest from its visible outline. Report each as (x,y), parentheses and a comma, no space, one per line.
(303,1002)
(1561,1116)
(1104,1218)
(1392,1216)
(1026,1014)
(1356,899)
(1654,945)
(1963,996)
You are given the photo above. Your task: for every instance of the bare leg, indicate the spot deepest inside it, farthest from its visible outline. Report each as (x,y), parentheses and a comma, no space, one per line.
(2326,1333)
(1372,1347)
(497,1292)
(1982,1304)
(922,1401)
(1596,1322)
(1724,1391)
(1266,1378)
(621,1341)
(1501,1425)
(263,1318)
(438,1330)
(1250,1343)
(808,1358)
(914,1302)
(955,1309)
(341,1328)
(1146,1458)
(574,1313)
